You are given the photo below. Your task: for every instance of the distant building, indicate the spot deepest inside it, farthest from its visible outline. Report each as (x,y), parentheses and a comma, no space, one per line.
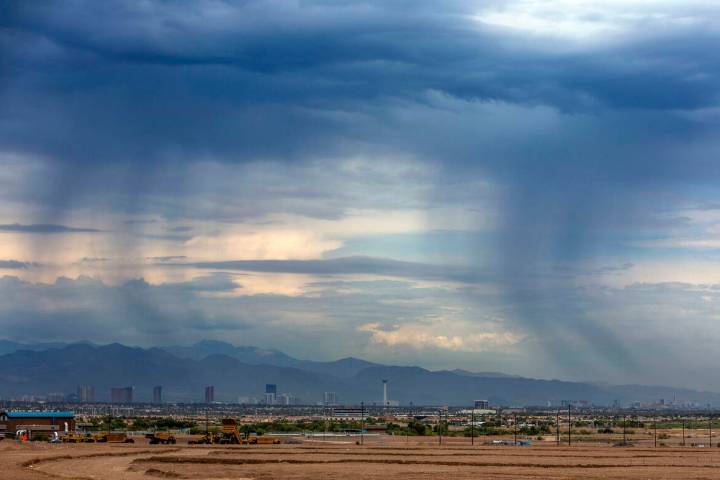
(56,397)
(210,394)
(286,399)
(36,423)
(270,393)
(482,404)
(247,400)
(329,399)
(352,413)
(121,394)
(157,394)
(86,393)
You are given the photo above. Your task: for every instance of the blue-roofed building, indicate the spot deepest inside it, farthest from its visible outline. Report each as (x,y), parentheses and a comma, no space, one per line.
(37,423)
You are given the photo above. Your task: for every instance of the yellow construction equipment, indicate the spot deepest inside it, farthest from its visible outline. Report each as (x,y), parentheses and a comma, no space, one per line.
(262,440)
(207,439)
(78,438)
(230,433)
(113,438)
(255,439)
(164,438)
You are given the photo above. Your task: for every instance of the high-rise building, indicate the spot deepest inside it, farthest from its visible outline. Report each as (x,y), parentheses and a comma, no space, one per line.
(482,404)
(209,394)
(270,393)
(157,394)
(286,399)
(329,399)
(121,394)
(56,397)
(86,393)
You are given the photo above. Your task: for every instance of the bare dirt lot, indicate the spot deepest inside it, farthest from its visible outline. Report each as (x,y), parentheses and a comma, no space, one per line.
(379,458)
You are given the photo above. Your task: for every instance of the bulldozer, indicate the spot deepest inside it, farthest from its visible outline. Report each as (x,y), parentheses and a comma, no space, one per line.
(164,438)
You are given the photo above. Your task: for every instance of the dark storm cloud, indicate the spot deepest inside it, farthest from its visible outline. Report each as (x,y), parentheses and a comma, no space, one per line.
(591,145)
(14,265)
(127,81)
(44,229)
(351,266)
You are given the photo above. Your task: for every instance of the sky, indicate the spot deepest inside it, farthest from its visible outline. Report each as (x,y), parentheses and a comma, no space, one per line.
(523,186)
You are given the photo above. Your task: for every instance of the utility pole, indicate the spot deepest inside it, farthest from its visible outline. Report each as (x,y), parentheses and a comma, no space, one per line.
(655,429)
(624,429)
(710,428)
(439,427)
(569,426)
(362,423)
(515,427)
(472,427)
(557,426)
(683,430)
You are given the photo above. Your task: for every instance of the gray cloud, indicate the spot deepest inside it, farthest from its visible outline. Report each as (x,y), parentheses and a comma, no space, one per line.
(167,258)
(44,229)
(140,313)
(568,152)
(352,266)
(15,265)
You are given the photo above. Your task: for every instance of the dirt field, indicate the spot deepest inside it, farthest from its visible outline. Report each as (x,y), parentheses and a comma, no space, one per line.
(379,458)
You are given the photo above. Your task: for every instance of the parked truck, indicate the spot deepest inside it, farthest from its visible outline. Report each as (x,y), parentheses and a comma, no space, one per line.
(164,438)
(230,433)
(113,438)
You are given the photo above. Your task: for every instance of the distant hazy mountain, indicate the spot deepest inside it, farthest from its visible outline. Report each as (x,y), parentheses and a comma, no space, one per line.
(185,371)
(465,373)
(345,367)
(7,346)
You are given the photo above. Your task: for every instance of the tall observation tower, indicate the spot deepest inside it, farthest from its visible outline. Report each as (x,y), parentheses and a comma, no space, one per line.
(385,397)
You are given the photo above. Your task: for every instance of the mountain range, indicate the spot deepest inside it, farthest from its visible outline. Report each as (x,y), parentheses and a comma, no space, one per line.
(234,371)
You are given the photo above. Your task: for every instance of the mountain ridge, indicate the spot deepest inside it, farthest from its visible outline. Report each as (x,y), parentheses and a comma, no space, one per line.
(37,372)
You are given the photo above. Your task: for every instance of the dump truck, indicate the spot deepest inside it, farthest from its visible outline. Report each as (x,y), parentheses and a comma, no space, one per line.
(267,440)
(78,438)
(262,440)
(164,438)
(230,433)
(207,439)
(113,438)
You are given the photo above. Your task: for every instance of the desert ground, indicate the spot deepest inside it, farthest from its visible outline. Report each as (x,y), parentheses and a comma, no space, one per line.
(378,458)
